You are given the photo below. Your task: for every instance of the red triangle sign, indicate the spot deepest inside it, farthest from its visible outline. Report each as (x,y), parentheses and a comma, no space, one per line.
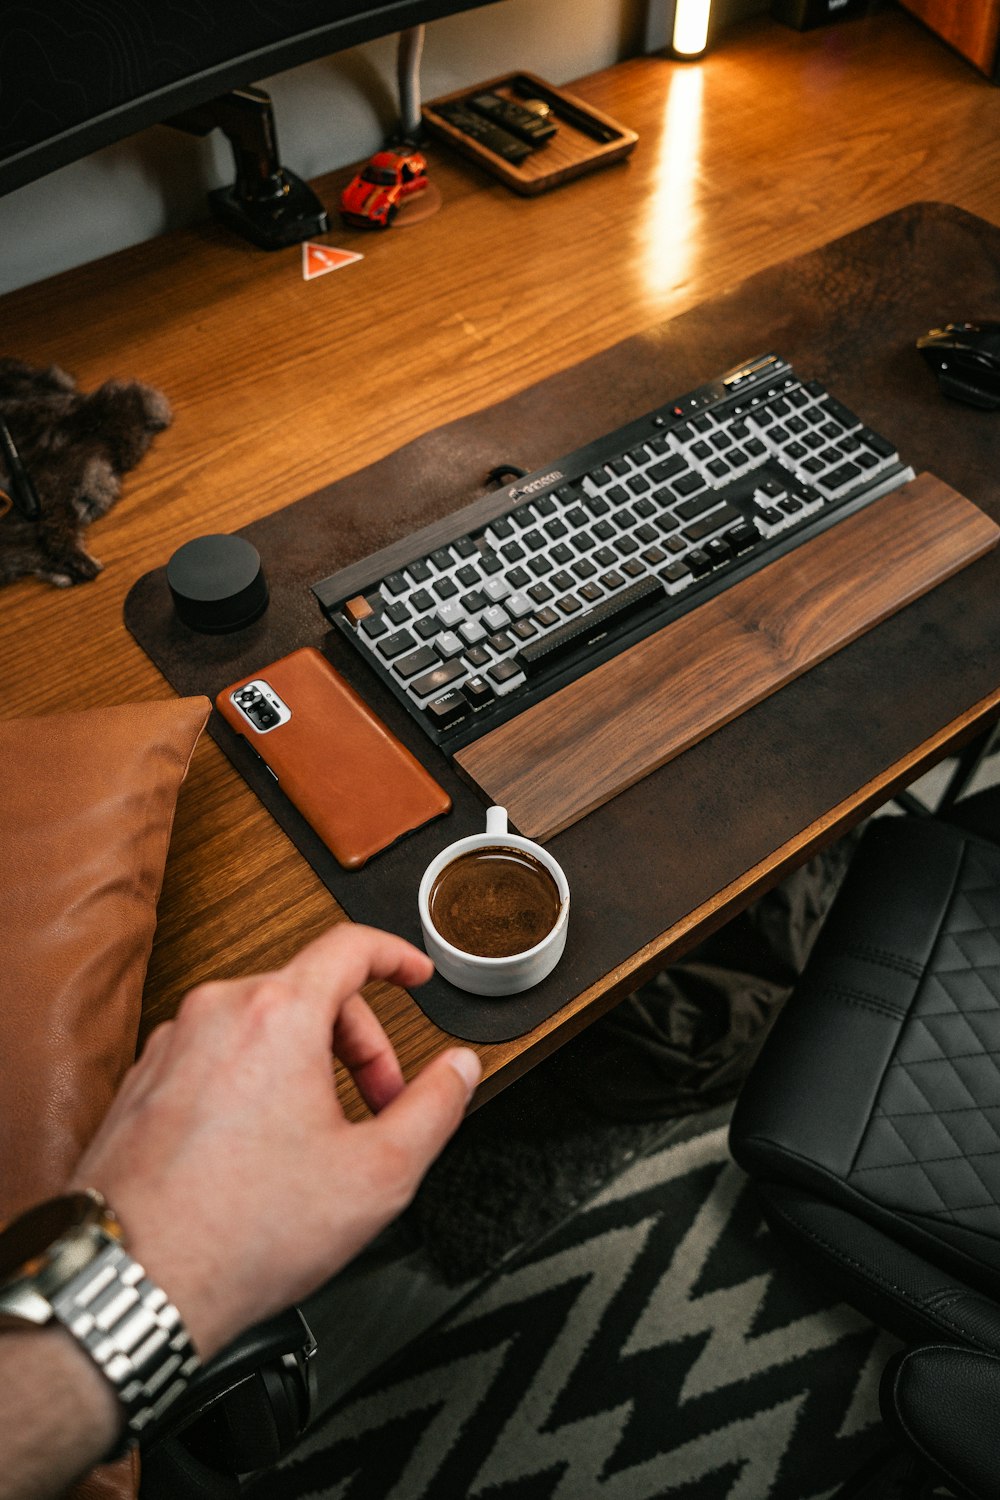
(318,259)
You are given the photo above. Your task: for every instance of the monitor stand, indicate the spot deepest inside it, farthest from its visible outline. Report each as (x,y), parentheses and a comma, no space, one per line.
(267,204)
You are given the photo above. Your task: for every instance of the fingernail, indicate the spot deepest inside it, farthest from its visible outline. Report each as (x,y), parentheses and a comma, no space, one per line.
(467,1066)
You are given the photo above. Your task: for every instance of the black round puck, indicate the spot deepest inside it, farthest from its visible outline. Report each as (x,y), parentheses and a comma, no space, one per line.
(217,583)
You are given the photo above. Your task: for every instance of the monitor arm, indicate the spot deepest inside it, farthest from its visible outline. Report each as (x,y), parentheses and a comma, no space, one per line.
(267,204)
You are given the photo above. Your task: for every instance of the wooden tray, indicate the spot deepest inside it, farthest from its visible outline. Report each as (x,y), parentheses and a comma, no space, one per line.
(577,749)
(586,138)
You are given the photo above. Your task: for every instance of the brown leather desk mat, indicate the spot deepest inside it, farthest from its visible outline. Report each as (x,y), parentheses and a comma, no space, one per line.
(846,314)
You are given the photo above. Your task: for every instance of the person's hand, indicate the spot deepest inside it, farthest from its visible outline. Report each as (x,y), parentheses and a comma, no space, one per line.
(226,1155)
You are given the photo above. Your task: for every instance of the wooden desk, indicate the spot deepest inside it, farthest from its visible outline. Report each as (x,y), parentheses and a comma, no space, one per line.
(776,143)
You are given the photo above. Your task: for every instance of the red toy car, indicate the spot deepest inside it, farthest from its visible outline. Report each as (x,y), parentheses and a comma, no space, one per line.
(371,199)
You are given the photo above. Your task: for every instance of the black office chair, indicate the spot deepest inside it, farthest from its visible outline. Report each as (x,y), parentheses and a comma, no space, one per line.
(871,1123)
(241,1413)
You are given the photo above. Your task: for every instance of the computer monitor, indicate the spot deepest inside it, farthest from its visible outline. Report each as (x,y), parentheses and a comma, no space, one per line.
(74,79)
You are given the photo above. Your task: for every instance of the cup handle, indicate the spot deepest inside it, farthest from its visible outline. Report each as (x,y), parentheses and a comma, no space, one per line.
(496,821)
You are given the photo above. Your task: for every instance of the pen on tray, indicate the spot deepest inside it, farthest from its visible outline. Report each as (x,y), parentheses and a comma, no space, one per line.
(22,489)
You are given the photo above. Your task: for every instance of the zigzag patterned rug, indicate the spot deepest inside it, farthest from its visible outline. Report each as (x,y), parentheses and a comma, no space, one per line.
(655,1344)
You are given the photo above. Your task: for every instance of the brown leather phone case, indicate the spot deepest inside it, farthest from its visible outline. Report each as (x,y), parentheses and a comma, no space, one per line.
(355,784)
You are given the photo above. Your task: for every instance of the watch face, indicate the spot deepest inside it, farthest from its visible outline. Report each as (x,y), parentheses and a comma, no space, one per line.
(30,1238)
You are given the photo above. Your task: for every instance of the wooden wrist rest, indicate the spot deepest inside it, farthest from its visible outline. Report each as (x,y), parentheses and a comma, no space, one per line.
(566,756)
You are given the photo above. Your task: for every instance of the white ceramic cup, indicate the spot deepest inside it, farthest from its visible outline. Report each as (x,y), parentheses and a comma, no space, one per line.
(516,971)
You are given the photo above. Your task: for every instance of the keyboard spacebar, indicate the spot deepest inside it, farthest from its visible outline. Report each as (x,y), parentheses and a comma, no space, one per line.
(588,629)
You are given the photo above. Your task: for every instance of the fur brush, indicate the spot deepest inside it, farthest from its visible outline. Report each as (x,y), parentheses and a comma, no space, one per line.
(76,448)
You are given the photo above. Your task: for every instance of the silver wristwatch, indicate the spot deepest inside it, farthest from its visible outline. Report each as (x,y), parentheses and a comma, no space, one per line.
(64,1260)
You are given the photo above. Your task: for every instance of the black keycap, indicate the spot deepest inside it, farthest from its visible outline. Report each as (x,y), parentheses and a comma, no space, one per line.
(626,545)
(443,557)
(468,576)
(490,563)
(420,600)
(606,557)
(612,579)
(633,568)
(503,671)
(427,627)
(448,709)
(688,509)
(512,551)
(667,468)
(843,475)
(373,626)
(877,444)
(397,612)
(569,604)
(576,517)
(465,546)
(718,467)
(645,533)
(477,656)
(396,583)
(644,508)
(545,506)
(591,593)
(840,413)
(533,539)
(701,450)
(675,571)
(584,568)
(502,528)
(623,518)
(556,528)
(501,642)
(419,571)
(688,483)
(478,691)
(718,550)
(524,516)
(653,556)
(518,578)
(667,523)
(539,565)
(603,530)
(742,537)
(639,484)
(561,554)
(433,682)
(596,505)
(540,592)
(523,630)
(581,541)
(445,588)
(699,562)
(474,601)
(416,661)
(391,646)
(547,617)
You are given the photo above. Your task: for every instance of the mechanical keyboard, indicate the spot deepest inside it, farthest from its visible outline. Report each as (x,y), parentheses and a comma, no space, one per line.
(474,618)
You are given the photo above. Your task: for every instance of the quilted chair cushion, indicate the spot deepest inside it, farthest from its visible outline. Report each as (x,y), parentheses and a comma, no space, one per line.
(878,1091)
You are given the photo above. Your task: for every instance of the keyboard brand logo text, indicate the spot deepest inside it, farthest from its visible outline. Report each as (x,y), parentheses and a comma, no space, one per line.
(518,490)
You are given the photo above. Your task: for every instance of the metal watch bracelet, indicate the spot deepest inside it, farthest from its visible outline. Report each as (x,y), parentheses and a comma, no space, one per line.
(131,1330)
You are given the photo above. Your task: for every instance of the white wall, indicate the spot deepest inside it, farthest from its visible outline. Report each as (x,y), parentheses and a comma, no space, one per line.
(328,113)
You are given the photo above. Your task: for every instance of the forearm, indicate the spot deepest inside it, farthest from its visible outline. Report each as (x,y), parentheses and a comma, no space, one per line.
(58,1415)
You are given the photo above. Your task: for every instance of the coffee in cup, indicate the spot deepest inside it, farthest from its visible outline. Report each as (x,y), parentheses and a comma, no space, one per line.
(494,901)
(494,909)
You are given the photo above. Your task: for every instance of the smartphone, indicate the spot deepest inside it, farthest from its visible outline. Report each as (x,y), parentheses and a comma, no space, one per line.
(354,782)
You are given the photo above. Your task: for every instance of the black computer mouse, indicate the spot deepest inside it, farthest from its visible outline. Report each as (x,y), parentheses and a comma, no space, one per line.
(965,357)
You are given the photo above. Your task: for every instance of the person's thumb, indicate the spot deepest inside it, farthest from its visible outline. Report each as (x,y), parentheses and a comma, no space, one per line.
(427,1112)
